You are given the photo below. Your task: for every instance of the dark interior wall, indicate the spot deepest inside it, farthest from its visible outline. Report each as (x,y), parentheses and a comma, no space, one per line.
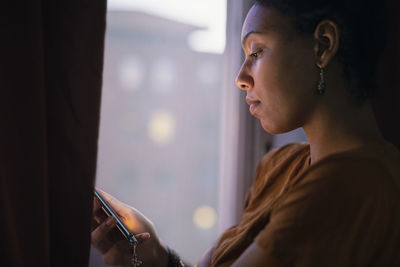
(387,102)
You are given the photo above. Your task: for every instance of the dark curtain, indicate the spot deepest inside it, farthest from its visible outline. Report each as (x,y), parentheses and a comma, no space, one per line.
(387,102)
(51,61)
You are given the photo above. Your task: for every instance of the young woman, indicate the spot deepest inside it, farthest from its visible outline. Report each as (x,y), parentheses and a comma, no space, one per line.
(332,202)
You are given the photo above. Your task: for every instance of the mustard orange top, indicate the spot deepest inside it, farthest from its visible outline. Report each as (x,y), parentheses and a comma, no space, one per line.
(344,210)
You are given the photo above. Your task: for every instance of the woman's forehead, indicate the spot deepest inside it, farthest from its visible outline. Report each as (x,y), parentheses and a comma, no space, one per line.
(262,19)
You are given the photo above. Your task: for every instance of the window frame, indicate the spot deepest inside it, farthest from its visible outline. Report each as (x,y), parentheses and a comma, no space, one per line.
(243,142)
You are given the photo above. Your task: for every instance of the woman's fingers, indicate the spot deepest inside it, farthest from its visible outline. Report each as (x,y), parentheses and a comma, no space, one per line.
(99,235)
(119,254)
(119,207)
(98,214)
(94,224)
(142,237)
(96,204)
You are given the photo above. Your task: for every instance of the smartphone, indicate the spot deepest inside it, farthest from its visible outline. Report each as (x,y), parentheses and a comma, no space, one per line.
(109,211)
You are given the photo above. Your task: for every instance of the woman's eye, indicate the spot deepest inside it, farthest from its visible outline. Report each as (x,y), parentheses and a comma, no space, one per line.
(255,54)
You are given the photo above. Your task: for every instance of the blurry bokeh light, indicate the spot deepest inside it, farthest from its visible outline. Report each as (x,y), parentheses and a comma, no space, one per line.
(161,127)
(205,217)
(131,73)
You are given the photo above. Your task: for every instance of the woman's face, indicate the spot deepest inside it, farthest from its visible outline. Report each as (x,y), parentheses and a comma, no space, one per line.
(279,72)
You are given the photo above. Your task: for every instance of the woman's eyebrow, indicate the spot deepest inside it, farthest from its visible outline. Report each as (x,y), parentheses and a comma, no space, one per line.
(264,30)
(247,36)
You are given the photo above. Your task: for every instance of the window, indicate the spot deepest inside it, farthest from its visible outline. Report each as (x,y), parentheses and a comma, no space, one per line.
(160,116)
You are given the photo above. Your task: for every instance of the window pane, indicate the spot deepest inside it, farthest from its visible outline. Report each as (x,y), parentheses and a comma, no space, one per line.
(160,117)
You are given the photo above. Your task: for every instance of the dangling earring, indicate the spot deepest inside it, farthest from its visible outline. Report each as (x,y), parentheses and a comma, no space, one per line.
(321,83)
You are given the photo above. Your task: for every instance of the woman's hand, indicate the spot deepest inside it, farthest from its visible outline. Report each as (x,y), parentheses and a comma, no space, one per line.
(114,248)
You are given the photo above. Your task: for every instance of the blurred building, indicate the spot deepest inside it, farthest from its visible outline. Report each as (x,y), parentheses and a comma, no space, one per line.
(159,130)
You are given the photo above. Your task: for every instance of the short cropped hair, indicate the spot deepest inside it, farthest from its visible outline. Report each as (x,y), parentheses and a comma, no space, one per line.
(363,33)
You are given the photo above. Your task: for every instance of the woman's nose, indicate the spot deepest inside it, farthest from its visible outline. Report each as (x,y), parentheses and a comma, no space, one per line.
(243,80)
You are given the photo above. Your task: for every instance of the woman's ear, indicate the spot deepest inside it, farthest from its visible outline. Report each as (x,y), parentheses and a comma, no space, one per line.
(326,36)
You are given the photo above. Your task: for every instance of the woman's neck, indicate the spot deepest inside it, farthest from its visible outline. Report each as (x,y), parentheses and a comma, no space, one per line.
(337,129)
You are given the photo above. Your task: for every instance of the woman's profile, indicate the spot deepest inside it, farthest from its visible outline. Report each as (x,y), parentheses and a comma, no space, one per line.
(332,202)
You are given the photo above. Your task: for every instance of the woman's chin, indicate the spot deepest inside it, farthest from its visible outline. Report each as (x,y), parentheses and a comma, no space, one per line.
(273,128)
(268,127)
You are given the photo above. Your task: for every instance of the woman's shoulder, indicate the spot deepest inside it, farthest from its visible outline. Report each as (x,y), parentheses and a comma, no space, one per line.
(286,153)
(349,199)
(280,163)
(371,166)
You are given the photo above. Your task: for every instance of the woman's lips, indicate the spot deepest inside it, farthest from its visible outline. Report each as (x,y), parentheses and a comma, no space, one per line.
(253,105)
